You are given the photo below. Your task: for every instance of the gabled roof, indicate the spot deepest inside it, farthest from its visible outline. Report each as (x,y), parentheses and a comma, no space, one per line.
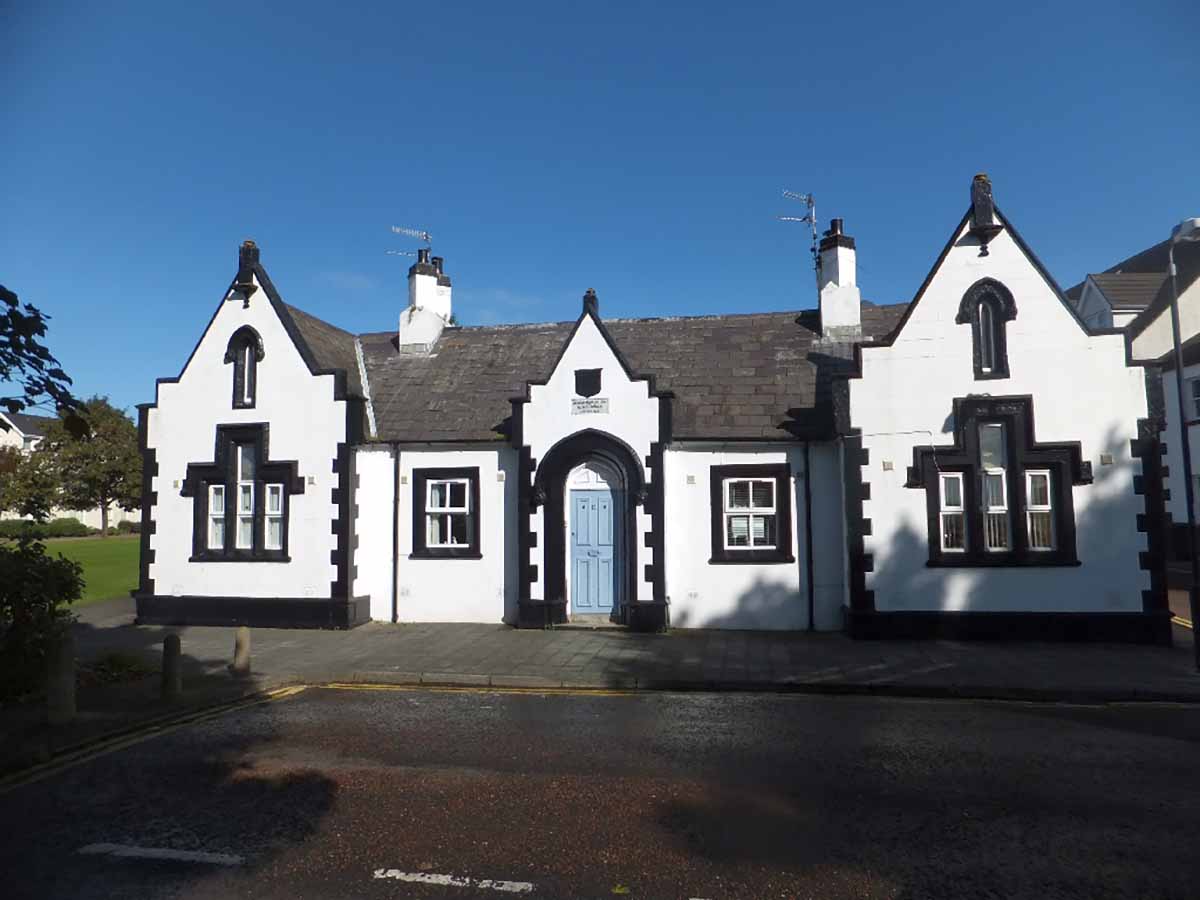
(1129,290)
(30,426)
(330,347)
(1152,260)
(734,377)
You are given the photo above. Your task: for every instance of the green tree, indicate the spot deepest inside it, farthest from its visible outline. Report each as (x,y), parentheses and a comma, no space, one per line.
(101,467)
(29,373)
(28,484)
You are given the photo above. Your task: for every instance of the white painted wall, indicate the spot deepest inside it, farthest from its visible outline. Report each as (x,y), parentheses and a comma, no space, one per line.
(306,424)
(1177,505)
(459,590)
(373,526)
(632,417)
(772,596)
(1082,391)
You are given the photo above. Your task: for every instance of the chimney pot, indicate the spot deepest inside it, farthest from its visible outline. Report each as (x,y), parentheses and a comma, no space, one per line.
(835,226)
(437,264)
(423,255)
(591,303)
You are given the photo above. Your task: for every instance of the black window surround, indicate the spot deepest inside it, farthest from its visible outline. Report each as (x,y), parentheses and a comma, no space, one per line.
(245,352)
(782,551)
(224,471)
(1063,460)
(420,482)
(998,300)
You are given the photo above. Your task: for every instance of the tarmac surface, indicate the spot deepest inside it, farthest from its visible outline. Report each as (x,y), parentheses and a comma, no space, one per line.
(409,792)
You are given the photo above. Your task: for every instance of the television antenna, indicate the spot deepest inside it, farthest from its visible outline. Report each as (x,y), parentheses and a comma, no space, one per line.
(810,217)
(419,233)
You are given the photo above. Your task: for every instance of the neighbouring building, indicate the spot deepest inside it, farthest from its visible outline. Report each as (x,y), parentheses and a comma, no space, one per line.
(1114,297)
(1151,345)
(973,463)
(24,433)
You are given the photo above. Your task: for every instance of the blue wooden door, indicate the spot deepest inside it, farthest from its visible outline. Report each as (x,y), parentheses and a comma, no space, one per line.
(593,560)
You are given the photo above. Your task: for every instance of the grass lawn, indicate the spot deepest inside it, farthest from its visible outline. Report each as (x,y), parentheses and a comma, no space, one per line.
(110,565)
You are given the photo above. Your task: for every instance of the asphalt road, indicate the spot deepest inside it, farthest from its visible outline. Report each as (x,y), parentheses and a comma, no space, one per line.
(338,793)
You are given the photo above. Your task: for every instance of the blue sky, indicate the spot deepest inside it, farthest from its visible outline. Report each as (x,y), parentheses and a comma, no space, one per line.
(635,148)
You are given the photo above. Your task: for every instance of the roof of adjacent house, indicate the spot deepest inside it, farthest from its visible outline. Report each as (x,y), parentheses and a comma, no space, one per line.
(1129,290)
(734,377)
(1147,263)
(32,426)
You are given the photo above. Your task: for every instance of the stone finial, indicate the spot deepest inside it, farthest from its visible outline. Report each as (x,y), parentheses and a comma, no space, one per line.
(591,303)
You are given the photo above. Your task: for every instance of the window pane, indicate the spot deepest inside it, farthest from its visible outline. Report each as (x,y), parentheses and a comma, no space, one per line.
(1041,536)
(987,338)
(246,462)
(245,532)
(439,495)
(216,499)
(245,498)
(737,529)
(216,533)
(460,530)
(763,494)
(953,533)
(763,529)
(951,491)
(739,494)
(1039,490)
(991,446)
(436,535)
(996,530)
(274,498)
(993,491)
(274,533)
(458,495)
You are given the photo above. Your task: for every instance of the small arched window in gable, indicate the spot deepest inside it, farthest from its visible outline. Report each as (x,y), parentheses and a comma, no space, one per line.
(988,306)
(245,352)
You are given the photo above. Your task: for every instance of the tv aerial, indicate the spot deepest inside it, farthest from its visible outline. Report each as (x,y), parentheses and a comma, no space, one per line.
(810,217)
(419,233)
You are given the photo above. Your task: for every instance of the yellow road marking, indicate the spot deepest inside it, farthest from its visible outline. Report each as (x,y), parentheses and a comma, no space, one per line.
(104,747)
(477,689)
(1180,620)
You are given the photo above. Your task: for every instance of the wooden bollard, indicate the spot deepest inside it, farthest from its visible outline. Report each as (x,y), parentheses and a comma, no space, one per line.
(60,680)
(172,667)
(240,666)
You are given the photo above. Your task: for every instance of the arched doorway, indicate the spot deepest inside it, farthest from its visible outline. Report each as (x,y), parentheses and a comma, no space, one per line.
(595,497)
(604,457)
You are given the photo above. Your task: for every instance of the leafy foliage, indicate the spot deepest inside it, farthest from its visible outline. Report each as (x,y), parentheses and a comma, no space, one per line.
(99,468)
(34,590)
(55,528)
(28,485)
(25,362)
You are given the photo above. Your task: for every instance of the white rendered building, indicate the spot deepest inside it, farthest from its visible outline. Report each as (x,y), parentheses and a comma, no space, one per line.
(968,463)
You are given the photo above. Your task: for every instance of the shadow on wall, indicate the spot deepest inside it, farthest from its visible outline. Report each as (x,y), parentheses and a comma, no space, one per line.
(902,581)
(764,605)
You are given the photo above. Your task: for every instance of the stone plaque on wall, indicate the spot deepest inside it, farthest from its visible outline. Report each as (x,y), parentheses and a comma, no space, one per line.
(588,406)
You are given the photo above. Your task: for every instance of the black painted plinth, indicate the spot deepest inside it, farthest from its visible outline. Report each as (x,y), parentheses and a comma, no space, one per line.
(541,613)
(256,612)
(1126,628)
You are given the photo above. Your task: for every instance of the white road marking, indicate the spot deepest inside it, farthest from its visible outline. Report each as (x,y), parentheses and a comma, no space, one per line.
(508,887)
(130,852)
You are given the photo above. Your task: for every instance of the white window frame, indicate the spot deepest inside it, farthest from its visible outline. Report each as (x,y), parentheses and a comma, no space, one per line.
(274,513)
(214,517)
(243,514)
(987,338)
(946,509)
(1047,507)
(1194,392)
(247,376)
(1003,507)
(750,512)
(448,510)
